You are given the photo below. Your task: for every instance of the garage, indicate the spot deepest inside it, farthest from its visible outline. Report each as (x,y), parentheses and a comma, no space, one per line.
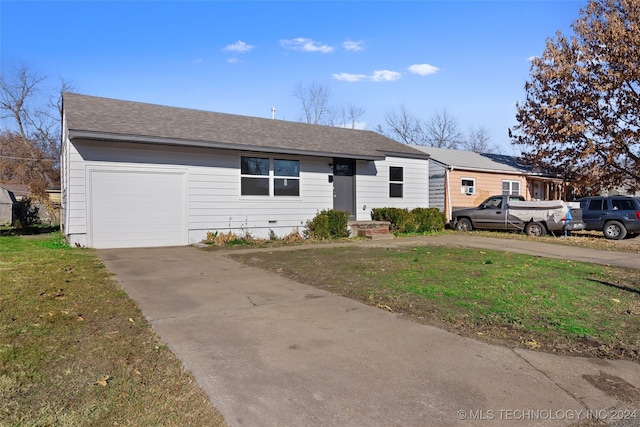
(136,208)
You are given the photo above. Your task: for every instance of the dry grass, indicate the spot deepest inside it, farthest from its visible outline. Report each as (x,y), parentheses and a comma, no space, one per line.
(75,350)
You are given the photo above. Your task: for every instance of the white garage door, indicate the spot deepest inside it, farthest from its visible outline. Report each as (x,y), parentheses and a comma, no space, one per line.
(137,209)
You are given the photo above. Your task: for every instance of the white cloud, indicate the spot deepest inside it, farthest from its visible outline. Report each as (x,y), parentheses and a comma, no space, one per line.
(346,77)
(356,125)
(423,69)
(385,76)
(353,46)
(239,46)
(197,61)
(377,76)
(305,45)
(233,60)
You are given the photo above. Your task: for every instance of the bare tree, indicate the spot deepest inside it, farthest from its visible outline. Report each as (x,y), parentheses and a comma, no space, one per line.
(478,140)
(441,131)
(354,113)
(34,136)
(580,116)
(346,117)
(314,100)
(405,127)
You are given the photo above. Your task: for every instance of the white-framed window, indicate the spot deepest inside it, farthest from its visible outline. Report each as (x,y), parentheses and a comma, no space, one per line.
(468,186)
(511,188)
(396,181)
(286,177)
(264,176)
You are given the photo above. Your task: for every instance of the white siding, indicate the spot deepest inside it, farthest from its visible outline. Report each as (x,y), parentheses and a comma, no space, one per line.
(372,185)
(215,203)
(212,199)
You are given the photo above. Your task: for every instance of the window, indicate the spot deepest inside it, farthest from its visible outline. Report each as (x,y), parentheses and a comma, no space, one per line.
(468,186)
(286,177)
(622,205)
(511,187)
(256,177)
(396,179)
(493,202)
(598,205)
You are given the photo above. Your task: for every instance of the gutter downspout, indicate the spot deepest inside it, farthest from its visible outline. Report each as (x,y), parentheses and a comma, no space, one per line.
(447,202)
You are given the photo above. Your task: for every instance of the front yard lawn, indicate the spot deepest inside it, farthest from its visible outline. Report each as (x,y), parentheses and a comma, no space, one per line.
(519,300)
(75,350)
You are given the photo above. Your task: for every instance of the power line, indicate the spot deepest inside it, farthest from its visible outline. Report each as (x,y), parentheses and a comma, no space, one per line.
(27,158)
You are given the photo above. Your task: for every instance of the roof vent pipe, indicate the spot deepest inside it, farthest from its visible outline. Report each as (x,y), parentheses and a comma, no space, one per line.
(273,113)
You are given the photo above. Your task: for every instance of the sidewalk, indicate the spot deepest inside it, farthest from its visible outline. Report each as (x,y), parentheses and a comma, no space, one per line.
(273,352)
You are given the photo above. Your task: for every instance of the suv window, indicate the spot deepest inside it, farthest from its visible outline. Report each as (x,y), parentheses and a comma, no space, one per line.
(622,205)
(597,205)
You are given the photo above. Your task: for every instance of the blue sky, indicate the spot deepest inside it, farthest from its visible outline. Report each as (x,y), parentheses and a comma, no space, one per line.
(240,57)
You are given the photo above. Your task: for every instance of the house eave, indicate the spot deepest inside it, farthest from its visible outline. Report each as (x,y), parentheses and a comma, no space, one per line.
(144,139)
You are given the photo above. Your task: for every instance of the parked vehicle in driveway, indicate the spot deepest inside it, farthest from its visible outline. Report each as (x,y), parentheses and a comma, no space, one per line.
(513,213)
(615,216)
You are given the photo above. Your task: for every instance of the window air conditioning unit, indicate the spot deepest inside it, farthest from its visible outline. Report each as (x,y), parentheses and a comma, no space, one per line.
(469,190)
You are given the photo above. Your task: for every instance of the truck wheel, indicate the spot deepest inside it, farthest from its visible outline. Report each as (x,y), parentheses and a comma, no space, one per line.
(464,224)
(613,230)
(535,229)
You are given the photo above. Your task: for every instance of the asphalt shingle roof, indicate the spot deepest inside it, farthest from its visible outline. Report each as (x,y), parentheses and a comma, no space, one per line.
(106,119)
(475,161)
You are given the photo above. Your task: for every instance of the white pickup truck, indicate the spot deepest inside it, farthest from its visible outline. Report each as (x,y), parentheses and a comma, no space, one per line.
(513,213)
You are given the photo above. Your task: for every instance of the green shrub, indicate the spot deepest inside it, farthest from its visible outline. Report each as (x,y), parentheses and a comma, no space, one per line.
(338,223)
(328,224)
(400,219)
(25,215)
(428,219)
(404,221)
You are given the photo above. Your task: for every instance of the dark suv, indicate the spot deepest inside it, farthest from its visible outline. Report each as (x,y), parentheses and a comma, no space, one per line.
(615,216)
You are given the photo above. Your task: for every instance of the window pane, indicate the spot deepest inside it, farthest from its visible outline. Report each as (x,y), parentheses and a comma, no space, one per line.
(254,166)
(494,202)
(344,168)
(622,205)
(395,190)
(286,167)
(467,183)
(396,173)
(254,186)
(596,205)
(515,187)
(286,187)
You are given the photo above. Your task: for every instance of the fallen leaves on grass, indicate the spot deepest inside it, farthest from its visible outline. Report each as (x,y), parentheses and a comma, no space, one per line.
(384,307)
(532,344)
(102,381)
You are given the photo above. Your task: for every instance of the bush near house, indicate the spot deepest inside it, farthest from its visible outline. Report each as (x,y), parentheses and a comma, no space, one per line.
(418,220)
(25,214)
(328,224)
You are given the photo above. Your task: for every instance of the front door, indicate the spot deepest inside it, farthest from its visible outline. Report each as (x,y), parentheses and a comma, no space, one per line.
(344,186)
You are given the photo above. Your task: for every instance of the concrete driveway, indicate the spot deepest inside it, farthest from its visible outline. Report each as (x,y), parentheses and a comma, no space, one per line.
(269,351)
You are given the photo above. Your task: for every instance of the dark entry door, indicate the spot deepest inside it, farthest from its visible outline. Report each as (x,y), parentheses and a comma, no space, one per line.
(344,186)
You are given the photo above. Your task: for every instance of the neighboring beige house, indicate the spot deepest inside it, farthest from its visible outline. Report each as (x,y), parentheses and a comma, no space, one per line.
(461,179)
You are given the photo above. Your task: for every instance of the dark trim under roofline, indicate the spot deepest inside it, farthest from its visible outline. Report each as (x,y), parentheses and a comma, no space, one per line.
(104,136)
(422,156)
